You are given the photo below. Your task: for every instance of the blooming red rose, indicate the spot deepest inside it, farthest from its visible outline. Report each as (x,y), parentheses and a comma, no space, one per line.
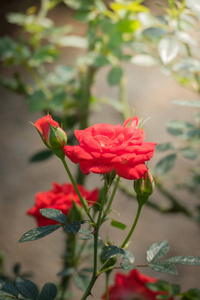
(52,135)
(60,197)
(132,287)
(104,147)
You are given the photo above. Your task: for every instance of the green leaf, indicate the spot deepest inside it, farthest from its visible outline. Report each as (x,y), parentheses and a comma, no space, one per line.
(128,257)
(128,26)
(67,272)
(38,233)
(157,250)
(168,49)
(117,224)
(189,153)
(115,75)
(175,289)
(163,297)
(54,214)
(193,294)
(9,288)
(41,155)
(165,147)
(185,260)
(177,127)
(127,266)
(192,103)
(49,292)
(154,32)
(85,16)
(164,267)
(87,235)
(165,164)
(158,286)
(73,227)
(27,288)
(111,251)
(46,53)
(82,281)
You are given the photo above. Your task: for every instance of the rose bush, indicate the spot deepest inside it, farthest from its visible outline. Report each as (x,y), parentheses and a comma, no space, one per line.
(60,197)
(104,147)
(52,135)
(132,287)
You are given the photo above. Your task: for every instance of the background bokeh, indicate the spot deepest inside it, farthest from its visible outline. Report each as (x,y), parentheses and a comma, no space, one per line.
(150,94)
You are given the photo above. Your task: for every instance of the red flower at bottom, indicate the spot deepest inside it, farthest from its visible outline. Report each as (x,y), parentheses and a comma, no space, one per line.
(132,287)
(60,197)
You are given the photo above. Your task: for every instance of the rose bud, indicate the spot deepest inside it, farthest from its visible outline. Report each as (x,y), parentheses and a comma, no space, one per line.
(144,187)
(52,135)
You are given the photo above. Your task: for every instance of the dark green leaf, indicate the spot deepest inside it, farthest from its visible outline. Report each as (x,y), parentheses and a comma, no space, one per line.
(164,267)
(27,288)
(38,233)
(73,227)
(85,16)
(128,257)
(82,281)
(41,155)
(112,251)
(16,268)
(49,292)
(54,214)
(175,289)
(163,297)
(127,266)
(164,147)
(165,164)
(117,224)
(159,286)
(157,250)
(193,294)
(185,260)
(9,288)
(115,75)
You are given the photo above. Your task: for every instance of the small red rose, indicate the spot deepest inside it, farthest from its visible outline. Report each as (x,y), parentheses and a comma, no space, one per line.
(52,135)
(105,147)
(132,287)
(60,197)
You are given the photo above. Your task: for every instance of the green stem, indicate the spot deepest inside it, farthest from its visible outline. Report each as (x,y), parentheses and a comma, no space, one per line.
(133,227)
(107,285)
(77,190)
(96,234)
(111,198)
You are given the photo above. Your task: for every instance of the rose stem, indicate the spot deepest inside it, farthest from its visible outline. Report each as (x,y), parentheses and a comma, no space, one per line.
(77,190)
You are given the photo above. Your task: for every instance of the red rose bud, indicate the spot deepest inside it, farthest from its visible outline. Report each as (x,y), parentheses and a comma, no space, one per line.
(52,135)
(132,122)
(144,187)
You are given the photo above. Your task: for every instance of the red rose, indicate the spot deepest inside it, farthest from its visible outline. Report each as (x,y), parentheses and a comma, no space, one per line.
(104,147)
(60,197)
(52,135)
(132,286)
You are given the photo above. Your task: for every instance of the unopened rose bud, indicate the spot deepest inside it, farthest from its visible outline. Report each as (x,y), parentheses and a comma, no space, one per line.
(144,187)
(132,122)
(52,135)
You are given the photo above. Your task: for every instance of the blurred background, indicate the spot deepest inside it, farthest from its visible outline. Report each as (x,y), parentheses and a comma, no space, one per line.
(150,93)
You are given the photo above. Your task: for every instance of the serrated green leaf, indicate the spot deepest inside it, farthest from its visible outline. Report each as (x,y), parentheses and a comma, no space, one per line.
(73,227)
(49,292)
(54,214)
(128,256)
(126,266)
(82,281)
(164,267)
(168,49)
(165,164)
(9,288)
(41,155)
(115,75)
(112,251)
(27,288)
(185,260)
(117,224)
(157,250)
(38,233)
(165,147)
